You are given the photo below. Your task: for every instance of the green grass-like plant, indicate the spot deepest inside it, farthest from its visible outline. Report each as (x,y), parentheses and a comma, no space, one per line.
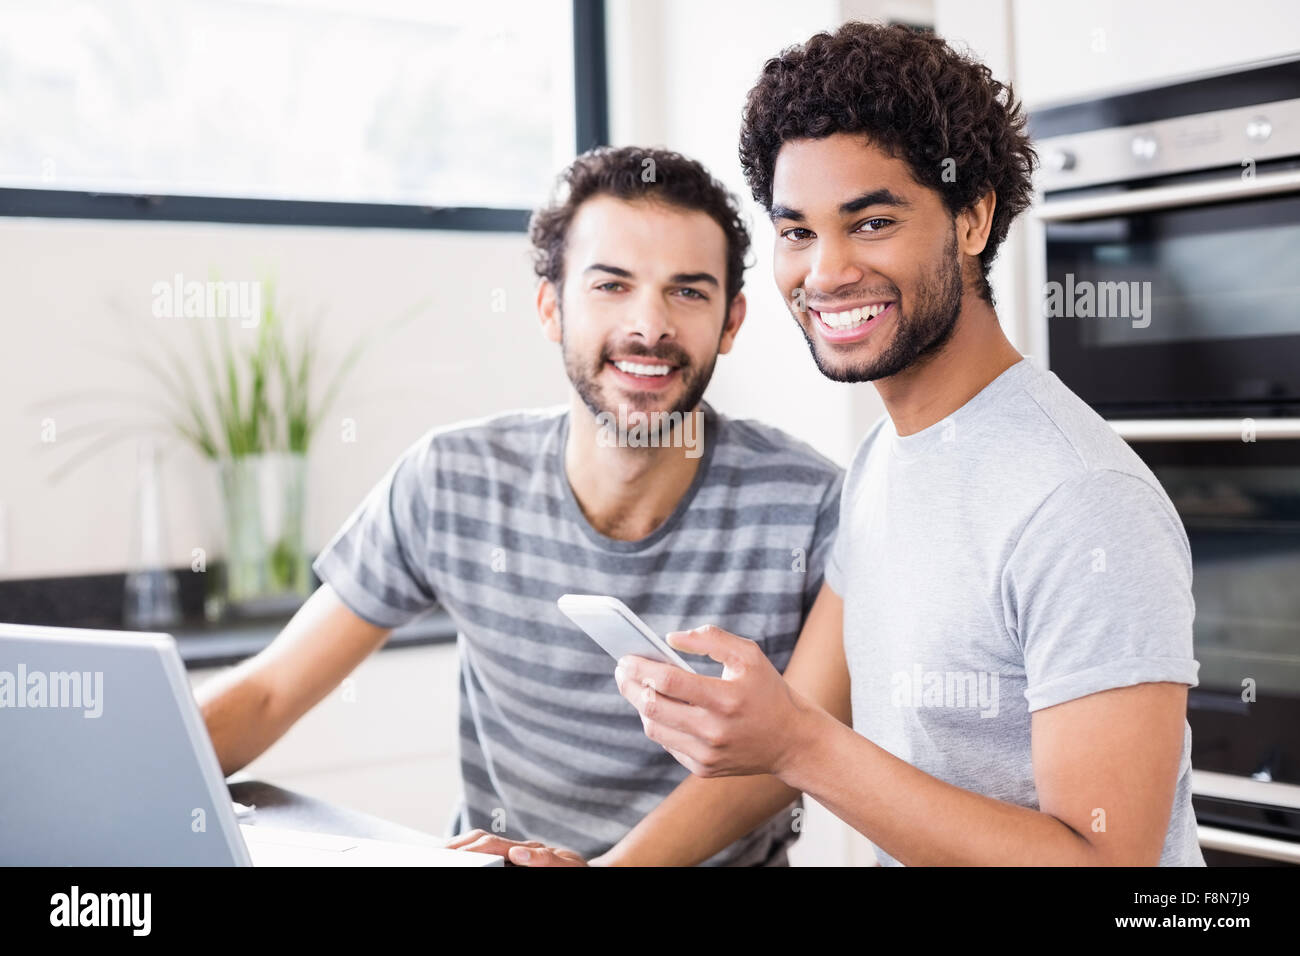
(246,401)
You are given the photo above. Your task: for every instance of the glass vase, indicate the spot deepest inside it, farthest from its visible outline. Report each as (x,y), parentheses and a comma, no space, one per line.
(266,569)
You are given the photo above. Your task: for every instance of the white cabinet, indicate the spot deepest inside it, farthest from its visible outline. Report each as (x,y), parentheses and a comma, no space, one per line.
(384,742)
(1072,50)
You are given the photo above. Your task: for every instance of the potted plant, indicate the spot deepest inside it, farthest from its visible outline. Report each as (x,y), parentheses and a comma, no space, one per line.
(253,414)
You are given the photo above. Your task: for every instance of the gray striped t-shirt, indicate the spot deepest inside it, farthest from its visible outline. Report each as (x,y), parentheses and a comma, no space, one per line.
(480,518)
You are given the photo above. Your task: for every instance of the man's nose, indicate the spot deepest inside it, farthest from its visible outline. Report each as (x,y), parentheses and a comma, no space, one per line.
(833,267)
(652,321)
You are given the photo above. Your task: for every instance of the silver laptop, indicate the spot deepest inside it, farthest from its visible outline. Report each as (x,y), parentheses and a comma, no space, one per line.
(105,761)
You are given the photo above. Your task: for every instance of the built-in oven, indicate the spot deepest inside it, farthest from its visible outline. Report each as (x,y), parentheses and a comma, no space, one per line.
(1171,225)
(1168,254)
(1240,503)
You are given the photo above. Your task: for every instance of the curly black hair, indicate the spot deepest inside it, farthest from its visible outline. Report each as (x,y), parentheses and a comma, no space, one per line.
(913,96)
(633,172)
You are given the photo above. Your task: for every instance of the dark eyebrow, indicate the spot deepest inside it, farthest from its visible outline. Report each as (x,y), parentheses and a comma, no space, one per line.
(612,270)
(686,278)
(877,197)
(681,278)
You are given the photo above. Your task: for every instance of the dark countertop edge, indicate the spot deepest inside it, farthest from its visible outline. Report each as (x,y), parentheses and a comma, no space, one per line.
(223,648)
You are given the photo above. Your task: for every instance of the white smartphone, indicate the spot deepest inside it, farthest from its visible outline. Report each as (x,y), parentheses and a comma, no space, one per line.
(609,622)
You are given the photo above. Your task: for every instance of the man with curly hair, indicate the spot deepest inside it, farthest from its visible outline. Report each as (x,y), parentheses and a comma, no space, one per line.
(996,668)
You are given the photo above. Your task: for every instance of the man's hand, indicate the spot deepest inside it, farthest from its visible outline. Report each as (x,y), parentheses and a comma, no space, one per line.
(746,722)
(529,853)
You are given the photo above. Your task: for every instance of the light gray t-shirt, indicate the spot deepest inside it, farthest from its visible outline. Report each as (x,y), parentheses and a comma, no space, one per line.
(1015,555)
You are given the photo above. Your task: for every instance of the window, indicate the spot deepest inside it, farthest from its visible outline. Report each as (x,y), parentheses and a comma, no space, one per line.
(353,112)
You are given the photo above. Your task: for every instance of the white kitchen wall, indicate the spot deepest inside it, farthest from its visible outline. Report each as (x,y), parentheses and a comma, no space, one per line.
(74,291)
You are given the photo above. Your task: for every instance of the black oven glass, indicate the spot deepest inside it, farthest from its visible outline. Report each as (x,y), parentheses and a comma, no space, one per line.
(1193,310)
(1240,504)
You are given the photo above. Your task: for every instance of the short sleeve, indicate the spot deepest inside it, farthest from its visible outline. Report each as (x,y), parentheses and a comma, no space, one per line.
(1098,590)
(824,535)
(377,561)
(834,552)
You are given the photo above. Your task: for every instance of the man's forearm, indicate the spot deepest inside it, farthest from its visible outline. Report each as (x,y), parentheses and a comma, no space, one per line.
(250,706)
(700,818)
(919,819)
(236,712)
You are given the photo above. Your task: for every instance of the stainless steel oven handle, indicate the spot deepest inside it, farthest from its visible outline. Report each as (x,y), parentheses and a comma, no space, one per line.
(1246,790)
(1248,844)
(1206,429)
(1231,786)
(1165,197)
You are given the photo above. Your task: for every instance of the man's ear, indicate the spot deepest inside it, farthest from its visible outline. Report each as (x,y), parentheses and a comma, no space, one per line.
(548,309)
(735,319)
(974,224)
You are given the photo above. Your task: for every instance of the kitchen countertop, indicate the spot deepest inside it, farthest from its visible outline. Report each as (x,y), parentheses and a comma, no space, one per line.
(230,642)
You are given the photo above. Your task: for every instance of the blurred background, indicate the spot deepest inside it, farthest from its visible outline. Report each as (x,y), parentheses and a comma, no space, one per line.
(359,174)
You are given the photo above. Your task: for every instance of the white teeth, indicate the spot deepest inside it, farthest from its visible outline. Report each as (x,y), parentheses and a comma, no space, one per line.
(635,368)
(847,320)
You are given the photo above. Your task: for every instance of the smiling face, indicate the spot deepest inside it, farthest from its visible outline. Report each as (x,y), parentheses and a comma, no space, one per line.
(866,258)
(641,316)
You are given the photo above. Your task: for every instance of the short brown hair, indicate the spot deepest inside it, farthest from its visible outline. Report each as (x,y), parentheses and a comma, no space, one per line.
(629,172)
(913,96)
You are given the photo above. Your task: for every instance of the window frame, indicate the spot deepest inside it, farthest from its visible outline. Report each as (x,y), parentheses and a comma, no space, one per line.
(591,121)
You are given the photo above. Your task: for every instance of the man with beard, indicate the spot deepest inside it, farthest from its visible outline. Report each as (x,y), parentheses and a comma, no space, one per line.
(1008,607)
(686,514)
